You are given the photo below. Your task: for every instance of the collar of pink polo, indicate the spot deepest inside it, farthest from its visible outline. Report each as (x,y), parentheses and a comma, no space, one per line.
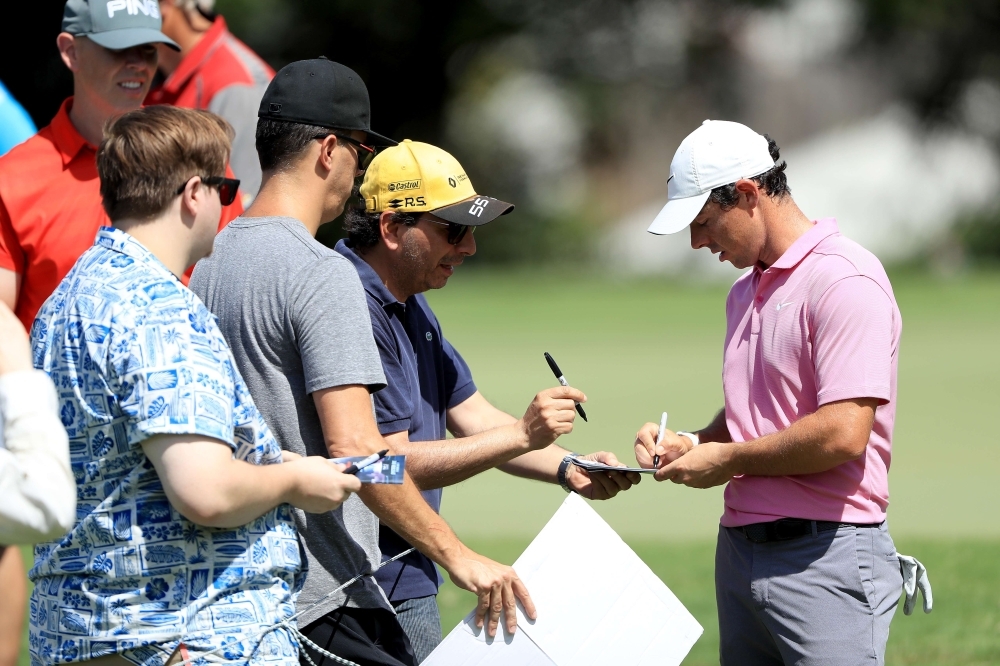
(806,243)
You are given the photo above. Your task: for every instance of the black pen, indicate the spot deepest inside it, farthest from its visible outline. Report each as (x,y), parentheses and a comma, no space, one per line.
(562,380)
(659,438)
(354,468)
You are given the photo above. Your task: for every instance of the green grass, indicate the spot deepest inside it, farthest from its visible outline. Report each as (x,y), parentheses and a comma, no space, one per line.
(964,627)
(637,347)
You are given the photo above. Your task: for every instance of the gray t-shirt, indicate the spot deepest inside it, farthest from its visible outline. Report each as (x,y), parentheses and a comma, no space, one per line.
(295,315)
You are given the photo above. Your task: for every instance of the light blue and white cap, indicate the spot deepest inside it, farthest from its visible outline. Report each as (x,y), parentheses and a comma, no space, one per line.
(717,153)
(116,24)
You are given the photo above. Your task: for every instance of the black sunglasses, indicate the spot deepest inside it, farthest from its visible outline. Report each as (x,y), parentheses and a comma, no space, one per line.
(456,232)
(365,152)
(227,187)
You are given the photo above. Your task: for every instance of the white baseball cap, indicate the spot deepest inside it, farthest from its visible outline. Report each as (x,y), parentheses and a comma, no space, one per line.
(717,153)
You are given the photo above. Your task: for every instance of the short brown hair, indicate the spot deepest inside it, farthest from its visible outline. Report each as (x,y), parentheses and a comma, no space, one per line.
(146,155)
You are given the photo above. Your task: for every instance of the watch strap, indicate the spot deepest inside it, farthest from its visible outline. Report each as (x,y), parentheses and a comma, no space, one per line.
(695,441)
(563,469)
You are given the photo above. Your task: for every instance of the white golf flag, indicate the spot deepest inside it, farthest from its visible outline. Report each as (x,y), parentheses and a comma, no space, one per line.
(597,603)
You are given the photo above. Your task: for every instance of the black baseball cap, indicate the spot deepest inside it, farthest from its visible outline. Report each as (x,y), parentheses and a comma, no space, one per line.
(323,93)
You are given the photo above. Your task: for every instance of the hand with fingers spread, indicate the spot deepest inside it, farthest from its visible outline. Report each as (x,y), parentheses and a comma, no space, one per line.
(671,448)
(600,485)
(498,588)
(550,415)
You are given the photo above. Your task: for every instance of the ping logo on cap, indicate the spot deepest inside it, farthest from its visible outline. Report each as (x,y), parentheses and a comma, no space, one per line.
(133,7)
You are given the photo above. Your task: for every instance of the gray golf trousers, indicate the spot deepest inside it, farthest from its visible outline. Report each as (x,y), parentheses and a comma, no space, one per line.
(823,599)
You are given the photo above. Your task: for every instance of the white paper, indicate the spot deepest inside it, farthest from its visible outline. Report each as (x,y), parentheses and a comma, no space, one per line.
(597,603)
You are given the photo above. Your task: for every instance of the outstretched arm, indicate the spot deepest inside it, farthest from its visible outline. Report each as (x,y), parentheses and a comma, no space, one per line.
(477,414)
(836,433)
(209,487)
(486,437)
(349,429)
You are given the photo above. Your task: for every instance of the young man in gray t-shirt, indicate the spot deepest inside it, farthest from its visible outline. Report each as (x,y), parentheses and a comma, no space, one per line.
(296,317)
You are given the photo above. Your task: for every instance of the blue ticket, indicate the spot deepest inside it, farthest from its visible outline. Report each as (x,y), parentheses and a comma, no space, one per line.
(386,470)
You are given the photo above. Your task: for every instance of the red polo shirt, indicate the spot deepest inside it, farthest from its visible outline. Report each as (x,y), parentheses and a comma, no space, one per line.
(218,61)
(222,75)
(50,209)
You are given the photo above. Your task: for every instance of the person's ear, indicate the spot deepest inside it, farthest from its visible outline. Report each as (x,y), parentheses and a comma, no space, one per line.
(66,43)
(749,193)
(390,230)
(326,149)
(192,200)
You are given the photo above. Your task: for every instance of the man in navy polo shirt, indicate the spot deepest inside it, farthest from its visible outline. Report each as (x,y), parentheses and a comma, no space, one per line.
(420,212)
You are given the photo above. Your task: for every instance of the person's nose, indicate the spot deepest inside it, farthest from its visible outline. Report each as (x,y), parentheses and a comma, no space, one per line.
(699,238)
(141,57)
(467,246)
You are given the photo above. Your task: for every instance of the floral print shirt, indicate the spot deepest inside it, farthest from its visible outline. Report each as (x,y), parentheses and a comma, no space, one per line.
(134,353)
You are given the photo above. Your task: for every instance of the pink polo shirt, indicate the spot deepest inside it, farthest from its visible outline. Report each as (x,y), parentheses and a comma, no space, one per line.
(818,326)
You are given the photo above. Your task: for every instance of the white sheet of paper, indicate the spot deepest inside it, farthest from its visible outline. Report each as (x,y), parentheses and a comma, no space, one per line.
(597,603)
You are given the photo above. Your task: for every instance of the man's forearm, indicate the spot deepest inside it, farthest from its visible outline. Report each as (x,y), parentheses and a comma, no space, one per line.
(447,462)
(404,509)
(222,491)
(834,434)
(540,465)
(717,430)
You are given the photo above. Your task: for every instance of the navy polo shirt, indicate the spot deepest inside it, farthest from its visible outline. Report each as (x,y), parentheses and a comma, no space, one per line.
(425,377)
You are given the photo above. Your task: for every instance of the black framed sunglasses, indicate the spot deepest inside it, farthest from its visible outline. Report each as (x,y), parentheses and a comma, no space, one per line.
(227,187)
(456,232)
(365,152)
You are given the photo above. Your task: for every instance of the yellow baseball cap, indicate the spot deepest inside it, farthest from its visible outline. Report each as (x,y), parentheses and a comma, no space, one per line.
(415,177)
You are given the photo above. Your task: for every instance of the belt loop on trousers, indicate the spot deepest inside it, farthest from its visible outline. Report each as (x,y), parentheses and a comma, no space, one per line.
(815,530)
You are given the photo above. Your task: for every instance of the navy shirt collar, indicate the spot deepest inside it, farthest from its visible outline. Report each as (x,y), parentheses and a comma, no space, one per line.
(370,280)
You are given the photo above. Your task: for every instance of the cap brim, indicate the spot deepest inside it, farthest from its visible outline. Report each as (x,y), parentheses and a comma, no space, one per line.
(126,38)
(678,214)
(376,139)
(473,212)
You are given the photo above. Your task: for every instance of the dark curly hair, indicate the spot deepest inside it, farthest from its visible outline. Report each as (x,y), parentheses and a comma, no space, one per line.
(774,182)
(362,227)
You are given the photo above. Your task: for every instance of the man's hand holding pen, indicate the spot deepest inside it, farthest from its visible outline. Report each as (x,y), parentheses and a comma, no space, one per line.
(671,448)
(550,415)
(705,466)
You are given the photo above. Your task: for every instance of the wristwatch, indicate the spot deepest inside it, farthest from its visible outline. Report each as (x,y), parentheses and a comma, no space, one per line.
(695,441)
(563,468)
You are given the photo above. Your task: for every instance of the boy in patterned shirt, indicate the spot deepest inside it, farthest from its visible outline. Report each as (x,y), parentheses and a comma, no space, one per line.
(184,532)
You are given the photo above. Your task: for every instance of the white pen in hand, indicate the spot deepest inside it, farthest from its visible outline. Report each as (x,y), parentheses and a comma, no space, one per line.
(659,438)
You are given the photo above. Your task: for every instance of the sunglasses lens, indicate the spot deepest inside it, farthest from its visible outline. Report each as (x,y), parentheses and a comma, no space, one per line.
(456,232)
(227,193)
(365,158)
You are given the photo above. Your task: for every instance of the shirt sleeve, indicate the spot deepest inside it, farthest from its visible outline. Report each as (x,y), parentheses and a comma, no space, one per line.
(328,312)
(11,254)
(459,386)
(853,344)
(36,483)
(174,377)
(394,406)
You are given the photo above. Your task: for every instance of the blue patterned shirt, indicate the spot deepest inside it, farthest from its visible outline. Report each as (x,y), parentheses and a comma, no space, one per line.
(134,353)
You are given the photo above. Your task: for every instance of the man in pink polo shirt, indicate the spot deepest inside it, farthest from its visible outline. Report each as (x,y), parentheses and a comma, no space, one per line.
(806,572)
